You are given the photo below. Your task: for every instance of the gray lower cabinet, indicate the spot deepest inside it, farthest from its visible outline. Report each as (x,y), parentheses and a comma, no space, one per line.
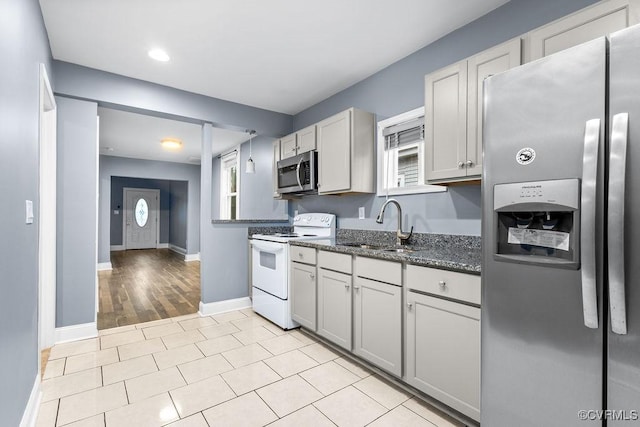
(443,351)
(377,321)
(334,307)
(303,294)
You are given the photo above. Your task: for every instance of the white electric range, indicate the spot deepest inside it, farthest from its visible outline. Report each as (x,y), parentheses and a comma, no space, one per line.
(270,265)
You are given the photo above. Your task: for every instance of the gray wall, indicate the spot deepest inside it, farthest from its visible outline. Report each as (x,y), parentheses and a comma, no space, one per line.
(118,184)
(399,88)
(23,46)
(179,214)
(76,211)
(111,166)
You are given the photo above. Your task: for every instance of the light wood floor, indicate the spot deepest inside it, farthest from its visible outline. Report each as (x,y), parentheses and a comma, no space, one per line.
(147,284)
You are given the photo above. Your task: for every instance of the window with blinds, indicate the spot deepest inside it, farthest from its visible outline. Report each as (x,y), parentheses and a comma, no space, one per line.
(401,155)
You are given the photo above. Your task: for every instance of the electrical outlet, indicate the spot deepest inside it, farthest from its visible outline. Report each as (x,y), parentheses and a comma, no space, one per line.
(361,212)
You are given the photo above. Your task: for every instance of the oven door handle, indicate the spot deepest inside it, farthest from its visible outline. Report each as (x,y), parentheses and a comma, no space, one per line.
(269,247)
(298,173)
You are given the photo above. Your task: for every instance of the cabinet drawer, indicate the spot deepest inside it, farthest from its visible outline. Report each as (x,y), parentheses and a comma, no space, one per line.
(303,255)
(334,261)
(449,284)
(380,270)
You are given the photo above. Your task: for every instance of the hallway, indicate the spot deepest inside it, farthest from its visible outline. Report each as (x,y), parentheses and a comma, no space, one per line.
(145,285)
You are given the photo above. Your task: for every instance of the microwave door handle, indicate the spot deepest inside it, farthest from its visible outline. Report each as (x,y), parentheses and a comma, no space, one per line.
(588,223)
(298,173)
(615,219)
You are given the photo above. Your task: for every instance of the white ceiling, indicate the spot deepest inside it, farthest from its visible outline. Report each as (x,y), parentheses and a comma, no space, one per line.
(138,136)
(282,55)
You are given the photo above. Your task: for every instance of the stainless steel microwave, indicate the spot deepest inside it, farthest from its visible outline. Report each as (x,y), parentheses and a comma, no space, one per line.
(298,174)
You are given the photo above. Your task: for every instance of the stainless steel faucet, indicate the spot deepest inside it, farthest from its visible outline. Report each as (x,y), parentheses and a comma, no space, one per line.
(401,237)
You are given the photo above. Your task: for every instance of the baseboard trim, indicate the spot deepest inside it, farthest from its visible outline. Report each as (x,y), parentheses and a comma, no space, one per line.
(30,415)
(115,248)
(192,257)
(218,307)
(104,266)
(76,332)
(163,246)
(177,249)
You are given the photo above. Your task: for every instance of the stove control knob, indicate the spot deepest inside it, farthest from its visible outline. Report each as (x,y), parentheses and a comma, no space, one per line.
(325,219)
(296,219)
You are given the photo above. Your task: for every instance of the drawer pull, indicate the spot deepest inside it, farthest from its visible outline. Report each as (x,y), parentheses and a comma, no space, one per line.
(300,255)
(442,284)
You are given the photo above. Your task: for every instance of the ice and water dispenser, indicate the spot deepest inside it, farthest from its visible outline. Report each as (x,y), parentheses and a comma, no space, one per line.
(538,222)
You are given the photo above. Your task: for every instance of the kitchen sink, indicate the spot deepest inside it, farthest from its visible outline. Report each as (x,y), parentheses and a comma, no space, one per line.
(362,246)
(398,250)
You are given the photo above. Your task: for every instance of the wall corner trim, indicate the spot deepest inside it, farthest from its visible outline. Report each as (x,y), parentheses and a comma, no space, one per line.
(162,246)
(192,257)
(104,266)
(219,307)
(30,415)
(115,248)
(76,332)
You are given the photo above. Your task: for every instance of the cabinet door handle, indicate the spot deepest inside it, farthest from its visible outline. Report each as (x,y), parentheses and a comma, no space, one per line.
(409,305)
(356,287)
(469,163)
(346,287)
(442,284)
(460,165)
(311,276)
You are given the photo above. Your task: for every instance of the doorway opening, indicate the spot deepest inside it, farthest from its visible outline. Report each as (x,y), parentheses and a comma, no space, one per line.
(149,277)
(47,219)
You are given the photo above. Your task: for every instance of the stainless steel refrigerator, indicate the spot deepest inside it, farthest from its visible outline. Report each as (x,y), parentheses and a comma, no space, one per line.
(561,239)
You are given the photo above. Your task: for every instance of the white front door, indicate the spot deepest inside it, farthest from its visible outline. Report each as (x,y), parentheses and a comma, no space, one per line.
(141,220)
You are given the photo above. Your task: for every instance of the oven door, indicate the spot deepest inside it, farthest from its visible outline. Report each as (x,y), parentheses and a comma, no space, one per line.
(269,267)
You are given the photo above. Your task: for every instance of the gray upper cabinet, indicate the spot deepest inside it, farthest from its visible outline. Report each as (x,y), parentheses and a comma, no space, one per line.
(297,143)
(587,24)
(288,146)
(346,153)
(306,139)
(453,113)
(377,313)
(446,122)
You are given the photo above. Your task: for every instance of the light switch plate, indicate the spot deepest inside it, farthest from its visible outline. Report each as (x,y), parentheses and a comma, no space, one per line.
(361,212)
(29,211)
(116,212)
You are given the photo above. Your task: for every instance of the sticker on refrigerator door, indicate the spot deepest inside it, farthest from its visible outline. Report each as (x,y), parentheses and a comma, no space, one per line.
(544,238)
(526,155)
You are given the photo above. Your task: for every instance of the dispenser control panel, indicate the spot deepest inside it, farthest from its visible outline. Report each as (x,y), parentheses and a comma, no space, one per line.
(564,192)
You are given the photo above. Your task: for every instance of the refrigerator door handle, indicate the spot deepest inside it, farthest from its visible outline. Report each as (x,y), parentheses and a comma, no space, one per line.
(615,222)
(588,223)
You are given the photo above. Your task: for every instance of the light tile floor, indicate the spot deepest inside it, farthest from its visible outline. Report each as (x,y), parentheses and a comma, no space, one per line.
(232,369)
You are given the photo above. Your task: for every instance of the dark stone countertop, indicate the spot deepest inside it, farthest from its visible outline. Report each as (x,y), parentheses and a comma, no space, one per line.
(455,253)
(250,221)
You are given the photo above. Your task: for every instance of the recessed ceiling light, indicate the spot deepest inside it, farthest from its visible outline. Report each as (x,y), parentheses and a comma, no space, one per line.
(171,143)
(159,55)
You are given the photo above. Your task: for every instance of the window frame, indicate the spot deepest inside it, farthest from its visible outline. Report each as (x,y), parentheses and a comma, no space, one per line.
(227,162)
(382,179)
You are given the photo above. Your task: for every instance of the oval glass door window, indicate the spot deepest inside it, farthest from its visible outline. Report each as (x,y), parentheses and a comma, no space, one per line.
(142,212)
